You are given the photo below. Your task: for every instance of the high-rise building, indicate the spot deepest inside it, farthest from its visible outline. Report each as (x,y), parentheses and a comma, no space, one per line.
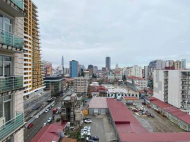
(95,69)
(178,65)
(34,93)
(74,68)
(136,71)
(108,63)
(90,69)
(33,78)
(183,61)
(173,87)
(11,71)
(62,63)
(146,72)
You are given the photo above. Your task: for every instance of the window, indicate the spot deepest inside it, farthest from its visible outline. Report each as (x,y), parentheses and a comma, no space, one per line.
(1,21)
(5,66)
(6,23)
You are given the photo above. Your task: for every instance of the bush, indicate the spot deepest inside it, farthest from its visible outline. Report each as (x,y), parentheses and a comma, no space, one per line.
(58,119)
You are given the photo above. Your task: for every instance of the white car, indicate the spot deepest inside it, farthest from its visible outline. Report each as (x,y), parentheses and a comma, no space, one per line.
(45,124)
(49,120)
(52,104)
(88,121)
(46,110)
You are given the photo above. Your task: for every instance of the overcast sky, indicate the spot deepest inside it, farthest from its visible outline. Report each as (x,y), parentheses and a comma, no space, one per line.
(131,32)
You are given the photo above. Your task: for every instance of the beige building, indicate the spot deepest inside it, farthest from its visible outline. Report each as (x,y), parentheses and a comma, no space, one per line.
(11,71)
(178,65)
(80,85)
(33,78)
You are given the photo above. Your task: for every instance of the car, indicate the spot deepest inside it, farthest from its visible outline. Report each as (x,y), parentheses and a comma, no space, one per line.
(46,110)
(88,121)
(45,124)
(134,110)
(93,137)
(49,120)
(53,104)
(86,118)
(72,128)
(151,115)
(90,140)
(58,108)
(30,125)
(87,127)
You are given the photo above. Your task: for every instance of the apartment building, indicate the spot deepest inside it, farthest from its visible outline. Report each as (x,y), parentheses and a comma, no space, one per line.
(173,87)
(80,85)
(135,71)
(33,77)
(11,71)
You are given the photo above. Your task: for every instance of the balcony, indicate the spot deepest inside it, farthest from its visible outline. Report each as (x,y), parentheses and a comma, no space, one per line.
(10,83)
(11,40)
(13,7)
(11,126)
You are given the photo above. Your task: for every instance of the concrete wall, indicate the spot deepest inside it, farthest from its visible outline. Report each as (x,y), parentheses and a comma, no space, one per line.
(100,110)
(159,84)
(174,87)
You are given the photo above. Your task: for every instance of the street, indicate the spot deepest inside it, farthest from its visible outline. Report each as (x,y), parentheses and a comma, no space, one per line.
(39,122)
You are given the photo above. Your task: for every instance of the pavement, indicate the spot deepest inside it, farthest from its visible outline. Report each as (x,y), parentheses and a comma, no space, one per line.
(158,123)
(39,122)
(97,128)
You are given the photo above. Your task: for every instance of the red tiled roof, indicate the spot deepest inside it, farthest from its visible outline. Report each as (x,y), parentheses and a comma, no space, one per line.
(48,133)
(171,109)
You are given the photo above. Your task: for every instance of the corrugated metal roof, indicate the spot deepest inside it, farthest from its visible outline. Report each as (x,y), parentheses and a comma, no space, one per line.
(171,109)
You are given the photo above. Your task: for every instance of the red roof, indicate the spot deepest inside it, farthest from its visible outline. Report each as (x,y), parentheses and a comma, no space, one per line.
(122,115)
(134,77)
(130,130)
(154,137)
(48,133)
(171,109)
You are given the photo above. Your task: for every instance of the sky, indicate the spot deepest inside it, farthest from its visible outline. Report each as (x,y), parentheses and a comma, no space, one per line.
(131,32)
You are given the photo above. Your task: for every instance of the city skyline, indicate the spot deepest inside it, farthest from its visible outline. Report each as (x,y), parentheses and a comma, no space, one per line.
(130,30)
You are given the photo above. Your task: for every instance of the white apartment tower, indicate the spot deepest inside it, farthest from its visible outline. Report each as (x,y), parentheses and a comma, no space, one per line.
(11,70)
(173,87)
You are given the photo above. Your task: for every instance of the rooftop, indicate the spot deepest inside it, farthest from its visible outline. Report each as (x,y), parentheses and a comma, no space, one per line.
(49,133)
(134,77)
(98,102)
(171,109)
(130,130)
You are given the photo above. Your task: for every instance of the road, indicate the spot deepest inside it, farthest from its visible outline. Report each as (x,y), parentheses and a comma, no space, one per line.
(39,122)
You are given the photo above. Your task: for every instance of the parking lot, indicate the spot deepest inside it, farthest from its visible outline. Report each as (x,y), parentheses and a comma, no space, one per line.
(102,128)
(157,124)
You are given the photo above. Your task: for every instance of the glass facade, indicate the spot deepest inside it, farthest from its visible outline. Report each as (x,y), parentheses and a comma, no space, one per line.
(19,3)
(6,33)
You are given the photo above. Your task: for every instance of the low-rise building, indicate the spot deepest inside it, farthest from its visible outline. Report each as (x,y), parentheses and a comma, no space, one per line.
(80,85)
(55,84)
(141,82)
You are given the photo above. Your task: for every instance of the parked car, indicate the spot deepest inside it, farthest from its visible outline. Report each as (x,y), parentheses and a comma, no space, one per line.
(134,110)
(88,121)
(46,110)
(72,128)
(143,103)
(55,110)
(49,120)
(87,127)
(86,118)
(53,104)
(30,125)
(93,137)
(152,115)
(45,124)
(91,140)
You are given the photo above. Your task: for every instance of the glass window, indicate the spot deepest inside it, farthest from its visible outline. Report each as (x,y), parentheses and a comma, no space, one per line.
(7,69)
(1,107)
(1,65)
(7,58)
(8,20)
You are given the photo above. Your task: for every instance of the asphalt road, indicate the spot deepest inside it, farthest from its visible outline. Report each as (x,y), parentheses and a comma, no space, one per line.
(39,122)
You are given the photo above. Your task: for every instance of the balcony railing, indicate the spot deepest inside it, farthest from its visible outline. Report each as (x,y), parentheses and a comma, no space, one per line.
(11,40)
(10,83)
(11,126)
(19,3)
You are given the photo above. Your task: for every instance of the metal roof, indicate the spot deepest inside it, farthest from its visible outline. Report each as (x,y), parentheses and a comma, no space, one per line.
(98,102)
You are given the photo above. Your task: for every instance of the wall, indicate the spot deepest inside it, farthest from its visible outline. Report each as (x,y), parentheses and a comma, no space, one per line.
(174,83)
(158,91)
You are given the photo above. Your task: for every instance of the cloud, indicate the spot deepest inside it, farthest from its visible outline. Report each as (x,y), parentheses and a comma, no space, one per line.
(129,31)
